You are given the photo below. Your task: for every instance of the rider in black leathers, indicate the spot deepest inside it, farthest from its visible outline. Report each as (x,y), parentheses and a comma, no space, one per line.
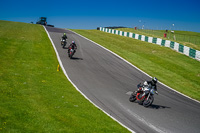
(64,36)
(152,83)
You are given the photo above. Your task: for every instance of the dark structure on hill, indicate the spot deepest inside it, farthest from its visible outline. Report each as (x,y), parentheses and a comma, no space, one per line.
(43,21)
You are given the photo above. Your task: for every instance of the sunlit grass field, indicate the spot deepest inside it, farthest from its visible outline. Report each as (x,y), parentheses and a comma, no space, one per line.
(174,69)
(34,96)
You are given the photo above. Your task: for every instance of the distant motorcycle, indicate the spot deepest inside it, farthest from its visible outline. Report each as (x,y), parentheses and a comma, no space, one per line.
(144,96)
(63,42)
(71,52)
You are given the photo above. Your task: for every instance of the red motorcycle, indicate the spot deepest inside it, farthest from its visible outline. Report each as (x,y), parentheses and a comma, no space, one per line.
(71,52)
(144,95)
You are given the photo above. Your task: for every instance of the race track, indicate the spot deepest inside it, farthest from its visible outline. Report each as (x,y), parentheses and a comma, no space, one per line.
(107,81)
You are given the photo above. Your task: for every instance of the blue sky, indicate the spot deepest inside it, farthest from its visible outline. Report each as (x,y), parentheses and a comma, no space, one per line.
(89,14)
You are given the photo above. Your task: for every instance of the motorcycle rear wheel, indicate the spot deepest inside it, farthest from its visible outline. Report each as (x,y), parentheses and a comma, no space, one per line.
(132,97)
(140,99)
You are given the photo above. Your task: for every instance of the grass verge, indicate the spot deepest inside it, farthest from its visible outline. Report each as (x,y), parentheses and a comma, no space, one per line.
(34,97)
(171,68)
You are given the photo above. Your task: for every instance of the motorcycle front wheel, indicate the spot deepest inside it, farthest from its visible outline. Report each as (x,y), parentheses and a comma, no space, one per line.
(70,55)
(148,102)
(64,44)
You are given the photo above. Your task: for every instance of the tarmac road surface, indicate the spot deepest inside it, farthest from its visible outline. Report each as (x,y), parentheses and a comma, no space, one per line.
(108,80)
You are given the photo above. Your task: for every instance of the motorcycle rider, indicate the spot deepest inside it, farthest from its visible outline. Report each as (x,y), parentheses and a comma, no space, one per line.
(72,46)
(64,36)
(152,83)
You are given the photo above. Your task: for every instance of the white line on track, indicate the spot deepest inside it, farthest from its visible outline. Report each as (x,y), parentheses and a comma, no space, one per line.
(145,122)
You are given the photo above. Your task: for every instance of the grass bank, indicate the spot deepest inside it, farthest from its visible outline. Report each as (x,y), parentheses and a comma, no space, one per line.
(171,68)
(187,38)
(34,97)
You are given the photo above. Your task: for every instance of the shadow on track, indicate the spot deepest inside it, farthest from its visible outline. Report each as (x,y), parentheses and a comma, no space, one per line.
(75,58)
(66,47)
(154,106)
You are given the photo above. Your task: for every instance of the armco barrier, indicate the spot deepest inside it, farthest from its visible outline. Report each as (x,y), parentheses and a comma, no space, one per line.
(166,43)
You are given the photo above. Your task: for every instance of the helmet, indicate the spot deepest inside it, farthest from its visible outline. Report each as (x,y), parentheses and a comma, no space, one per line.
(145,83)
(73,42)
(154,79)
(64,34)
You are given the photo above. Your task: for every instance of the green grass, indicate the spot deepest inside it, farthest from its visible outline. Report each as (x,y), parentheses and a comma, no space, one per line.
(176,70)
(187,38)
(34,96)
